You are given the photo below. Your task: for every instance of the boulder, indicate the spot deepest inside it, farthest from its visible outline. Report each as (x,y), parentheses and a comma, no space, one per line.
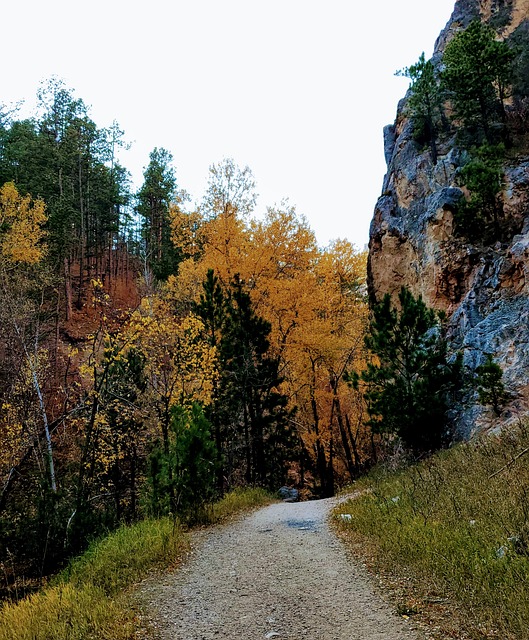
(289,494)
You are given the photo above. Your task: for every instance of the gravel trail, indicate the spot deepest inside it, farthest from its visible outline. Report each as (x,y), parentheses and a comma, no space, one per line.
(278,573)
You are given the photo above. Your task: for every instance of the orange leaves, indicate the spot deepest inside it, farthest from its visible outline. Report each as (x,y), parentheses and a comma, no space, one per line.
(187,231)
(21,222)
(314,299)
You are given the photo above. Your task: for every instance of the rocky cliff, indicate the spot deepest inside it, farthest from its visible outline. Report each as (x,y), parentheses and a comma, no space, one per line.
(414,240)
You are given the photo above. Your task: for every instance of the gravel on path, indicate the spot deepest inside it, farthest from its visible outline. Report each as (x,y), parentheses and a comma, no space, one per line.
(278,573)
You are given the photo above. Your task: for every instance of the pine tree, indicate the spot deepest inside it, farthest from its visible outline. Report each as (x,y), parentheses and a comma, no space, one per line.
(425,103)
(409,380)
(154,200)
(212,310)
(491,389)
(477,73)
(182,480)
(479,215)
(252,408)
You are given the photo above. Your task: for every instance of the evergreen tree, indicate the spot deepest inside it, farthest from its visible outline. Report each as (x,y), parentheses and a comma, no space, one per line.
(212,310)
(489,384)
(425,103)
(69,162)
(211,307)
(154,199)
(477,74)
(182,480)
(250,382)
(249,412)
(409,380)
(482,175)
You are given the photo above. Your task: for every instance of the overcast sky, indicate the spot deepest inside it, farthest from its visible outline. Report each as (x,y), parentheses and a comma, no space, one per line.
(299,90)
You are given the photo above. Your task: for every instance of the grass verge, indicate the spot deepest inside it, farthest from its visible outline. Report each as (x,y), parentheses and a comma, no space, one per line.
(66,612)
(238,501)
(89,599)
(458,523)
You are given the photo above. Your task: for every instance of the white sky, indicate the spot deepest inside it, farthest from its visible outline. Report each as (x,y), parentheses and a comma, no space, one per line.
(299,90)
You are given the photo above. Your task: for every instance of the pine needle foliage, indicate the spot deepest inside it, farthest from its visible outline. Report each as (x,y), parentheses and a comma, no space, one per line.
(491,390)
(410,378)
(477,76)
(425,102)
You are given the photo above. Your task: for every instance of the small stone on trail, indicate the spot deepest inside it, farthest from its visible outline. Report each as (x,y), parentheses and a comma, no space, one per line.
(272,634)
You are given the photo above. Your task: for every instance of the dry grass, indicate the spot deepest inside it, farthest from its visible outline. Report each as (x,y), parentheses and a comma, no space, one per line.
(127,555)
(239,501)
(459,524)
(65,612)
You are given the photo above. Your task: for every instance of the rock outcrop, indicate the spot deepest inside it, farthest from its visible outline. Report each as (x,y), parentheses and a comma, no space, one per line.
(484,289)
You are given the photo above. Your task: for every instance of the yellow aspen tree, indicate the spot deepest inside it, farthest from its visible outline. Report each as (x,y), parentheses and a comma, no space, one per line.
(21,227)
(314,300)
(21,247)
(180,365)
(327,344)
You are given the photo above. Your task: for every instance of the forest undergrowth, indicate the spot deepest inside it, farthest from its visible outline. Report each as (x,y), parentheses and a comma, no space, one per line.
(452,531)
(91,598)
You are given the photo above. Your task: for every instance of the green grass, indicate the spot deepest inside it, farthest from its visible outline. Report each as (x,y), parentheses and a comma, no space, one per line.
(89,599)
(238,501)
(114,563)
(459,526)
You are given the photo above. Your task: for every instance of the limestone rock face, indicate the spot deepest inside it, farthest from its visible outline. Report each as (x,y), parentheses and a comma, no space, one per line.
(484,290)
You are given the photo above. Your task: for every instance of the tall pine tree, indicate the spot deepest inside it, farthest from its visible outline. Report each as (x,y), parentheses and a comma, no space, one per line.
(249,412)
(154,199)
(409,381)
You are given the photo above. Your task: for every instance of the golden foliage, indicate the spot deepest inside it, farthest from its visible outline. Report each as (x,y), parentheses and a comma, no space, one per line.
(21,226)
(20,418)
(179,363)
(187,231)
(314,299)
(11,437)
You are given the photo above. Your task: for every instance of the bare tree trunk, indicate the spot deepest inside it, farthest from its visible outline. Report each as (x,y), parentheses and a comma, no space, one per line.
(345,440)
(36,385)
(68,289)
(321,463)
(49,448)
(82,239)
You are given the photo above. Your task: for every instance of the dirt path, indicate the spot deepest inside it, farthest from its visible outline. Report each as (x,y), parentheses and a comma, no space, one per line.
(278,573)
